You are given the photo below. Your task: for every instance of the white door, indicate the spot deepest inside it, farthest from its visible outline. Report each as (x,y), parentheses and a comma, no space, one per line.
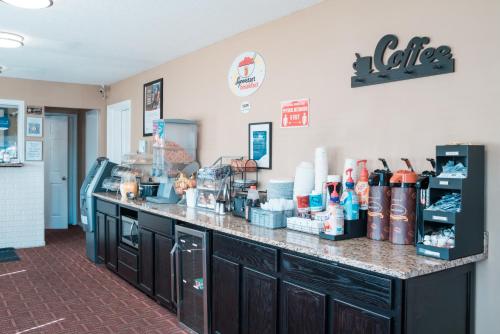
(56,172)
(91,138)
(118,130)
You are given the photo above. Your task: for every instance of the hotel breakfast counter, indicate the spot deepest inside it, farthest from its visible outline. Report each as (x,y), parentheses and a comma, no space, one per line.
(400,261)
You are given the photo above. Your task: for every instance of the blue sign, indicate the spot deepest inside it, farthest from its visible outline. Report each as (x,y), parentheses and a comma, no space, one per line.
(4,123)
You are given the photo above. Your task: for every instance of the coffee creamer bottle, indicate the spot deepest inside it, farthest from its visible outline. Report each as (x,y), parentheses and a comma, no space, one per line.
(335,223)
(362,191)
(349,199)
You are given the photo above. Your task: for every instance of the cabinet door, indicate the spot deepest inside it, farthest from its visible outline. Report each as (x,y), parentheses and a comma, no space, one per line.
(260,294)
(163,273)
(302,310)
(225,296)
(349,319)
(112,243)
(146,261)
(101,237)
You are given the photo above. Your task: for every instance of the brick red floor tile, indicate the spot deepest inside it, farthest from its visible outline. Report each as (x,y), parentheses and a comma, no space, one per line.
(60,283)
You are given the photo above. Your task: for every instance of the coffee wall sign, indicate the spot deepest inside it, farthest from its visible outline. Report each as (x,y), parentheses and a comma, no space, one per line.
(414,61)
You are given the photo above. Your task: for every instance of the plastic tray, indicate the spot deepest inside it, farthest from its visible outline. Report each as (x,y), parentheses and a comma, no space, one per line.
(270,219)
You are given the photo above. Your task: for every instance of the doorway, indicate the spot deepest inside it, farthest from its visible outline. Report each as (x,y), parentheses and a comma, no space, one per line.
(118,130)
(80,148)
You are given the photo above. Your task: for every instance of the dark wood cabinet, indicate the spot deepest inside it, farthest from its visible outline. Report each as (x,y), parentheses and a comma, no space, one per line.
(349,319)
(260,289)
(101,237)
(112,243)
(146,261)
(225,296)
(260,301)
(163,270)
(302,310)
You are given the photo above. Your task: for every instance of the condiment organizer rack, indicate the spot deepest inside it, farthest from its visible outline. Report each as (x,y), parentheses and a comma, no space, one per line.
(352,229)
(468,223)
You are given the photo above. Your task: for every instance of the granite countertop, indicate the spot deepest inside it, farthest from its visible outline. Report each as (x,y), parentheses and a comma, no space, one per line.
(382,257)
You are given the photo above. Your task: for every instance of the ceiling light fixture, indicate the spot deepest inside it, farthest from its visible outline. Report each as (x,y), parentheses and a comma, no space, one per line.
(10,40)
(30,4)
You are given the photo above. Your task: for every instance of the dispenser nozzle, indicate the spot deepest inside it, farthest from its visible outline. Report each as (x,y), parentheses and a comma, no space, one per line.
(384,163)
(433,162)
(408,164)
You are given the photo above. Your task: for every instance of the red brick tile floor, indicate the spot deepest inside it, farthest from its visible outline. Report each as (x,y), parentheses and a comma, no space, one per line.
(60,283)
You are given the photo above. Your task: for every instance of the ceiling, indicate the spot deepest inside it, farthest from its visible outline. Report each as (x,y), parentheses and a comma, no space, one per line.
(104,41)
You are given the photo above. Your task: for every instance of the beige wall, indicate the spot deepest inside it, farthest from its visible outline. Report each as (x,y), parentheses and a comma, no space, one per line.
(309,54)
(54,94)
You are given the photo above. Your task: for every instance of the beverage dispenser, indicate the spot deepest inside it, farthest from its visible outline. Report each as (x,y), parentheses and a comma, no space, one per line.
(403,206)
(379,203)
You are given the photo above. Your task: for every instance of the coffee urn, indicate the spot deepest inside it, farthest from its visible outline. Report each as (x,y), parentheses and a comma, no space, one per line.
(403,206)
(379,203)
(423,190)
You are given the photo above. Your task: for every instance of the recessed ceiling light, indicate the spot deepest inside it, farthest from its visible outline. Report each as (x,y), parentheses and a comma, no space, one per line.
(30,4)
(9,40)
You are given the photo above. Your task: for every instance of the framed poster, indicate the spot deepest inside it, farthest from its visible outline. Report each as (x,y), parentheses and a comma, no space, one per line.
(34,126)
(153,105)
(260,144)
(34,150)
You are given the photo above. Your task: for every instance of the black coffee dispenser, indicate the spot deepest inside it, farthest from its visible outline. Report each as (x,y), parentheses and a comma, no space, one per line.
(379,203)
(423,190)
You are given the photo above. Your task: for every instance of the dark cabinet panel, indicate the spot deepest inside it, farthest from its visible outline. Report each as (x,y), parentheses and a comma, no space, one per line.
(260,300)
(163,272)
(157,224)
(349,319)
(302,310)
(101,237)
(112,243)
(249,254)
(225,296)
(366,288)
(109,209)
(146,261)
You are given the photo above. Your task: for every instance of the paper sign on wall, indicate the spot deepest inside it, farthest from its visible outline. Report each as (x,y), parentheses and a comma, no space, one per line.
(295,113)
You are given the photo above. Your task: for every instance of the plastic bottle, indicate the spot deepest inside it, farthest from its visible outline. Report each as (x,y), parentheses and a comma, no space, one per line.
(253,200)
(349,199)
(362,191)
(335,223)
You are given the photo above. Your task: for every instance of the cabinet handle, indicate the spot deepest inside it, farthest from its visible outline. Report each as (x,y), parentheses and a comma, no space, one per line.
(172,272)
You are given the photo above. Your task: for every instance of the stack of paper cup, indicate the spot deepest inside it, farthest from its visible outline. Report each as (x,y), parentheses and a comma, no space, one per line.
(320,168)
(304,179)
(349,163)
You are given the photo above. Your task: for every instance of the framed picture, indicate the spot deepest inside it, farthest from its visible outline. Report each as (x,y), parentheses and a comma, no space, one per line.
(34,150)
(153,105)
(260,144)
(34,126)
(34,110)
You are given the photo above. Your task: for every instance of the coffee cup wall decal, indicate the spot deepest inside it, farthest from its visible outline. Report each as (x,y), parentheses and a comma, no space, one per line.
(414,61)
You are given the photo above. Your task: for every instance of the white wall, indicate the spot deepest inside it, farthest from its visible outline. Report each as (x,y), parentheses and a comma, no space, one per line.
(310,54)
